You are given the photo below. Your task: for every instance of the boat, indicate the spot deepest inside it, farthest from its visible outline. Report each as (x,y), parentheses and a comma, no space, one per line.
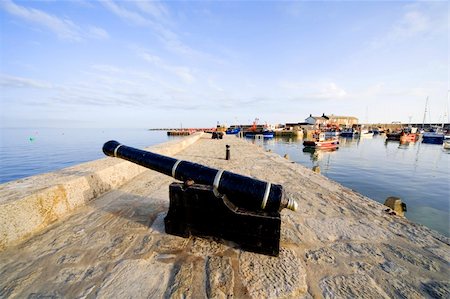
(255,134)
(435,136)
(394,135)
(232,130)
(347,133)
(321,142)
(375,131)
(331,132)
(365,133)
(409,135)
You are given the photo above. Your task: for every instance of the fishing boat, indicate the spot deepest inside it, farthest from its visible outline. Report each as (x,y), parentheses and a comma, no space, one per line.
(255,132)
(264,134)
(320,141)
(394,135)
(434,136)
(232,130)
(409,135)
(348,133)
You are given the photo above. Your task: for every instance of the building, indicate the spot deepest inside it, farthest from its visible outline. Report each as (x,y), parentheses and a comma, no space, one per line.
(317,120)
(342,121)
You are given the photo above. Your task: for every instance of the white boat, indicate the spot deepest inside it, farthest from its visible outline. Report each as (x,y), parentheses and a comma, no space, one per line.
(366,134)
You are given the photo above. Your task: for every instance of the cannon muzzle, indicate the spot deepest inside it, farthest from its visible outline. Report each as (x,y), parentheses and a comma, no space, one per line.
(245,192)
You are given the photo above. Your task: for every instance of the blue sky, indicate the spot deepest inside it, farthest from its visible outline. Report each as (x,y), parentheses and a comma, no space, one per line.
(162,64)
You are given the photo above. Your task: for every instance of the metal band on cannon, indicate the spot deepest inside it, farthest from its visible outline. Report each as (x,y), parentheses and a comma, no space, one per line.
(245,192)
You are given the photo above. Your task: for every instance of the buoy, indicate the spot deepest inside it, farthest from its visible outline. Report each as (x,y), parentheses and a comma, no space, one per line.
(396,204)
(316,169)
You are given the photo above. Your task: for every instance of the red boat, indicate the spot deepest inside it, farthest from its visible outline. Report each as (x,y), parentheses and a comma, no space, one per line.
(321,142)
(409,135)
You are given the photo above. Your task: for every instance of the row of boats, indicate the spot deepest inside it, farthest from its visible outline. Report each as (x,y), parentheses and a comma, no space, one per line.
(328,139)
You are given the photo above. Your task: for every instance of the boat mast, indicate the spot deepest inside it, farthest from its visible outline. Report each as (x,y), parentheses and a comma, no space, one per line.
(425,113)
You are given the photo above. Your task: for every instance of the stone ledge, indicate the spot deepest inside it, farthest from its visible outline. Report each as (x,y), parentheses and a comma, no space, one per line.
(31,204)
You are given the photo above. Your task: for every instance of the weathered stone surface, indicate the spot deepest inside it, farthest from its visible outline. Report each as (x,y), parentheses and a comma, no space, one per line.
(136,279)
(320,256)
(181,284)
(204,247)
(338,244)
(220,277)
(437,289)
(334,229)
(272,277)
(351,286)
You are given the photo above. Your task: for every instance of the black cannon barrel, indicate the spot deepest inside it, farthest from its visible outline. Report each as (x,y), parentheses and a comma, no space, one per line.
(243,191)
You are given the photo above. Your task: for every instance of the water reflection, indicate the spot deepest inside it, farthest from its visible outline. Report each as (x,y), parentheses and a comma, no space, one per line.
(318,154)
(418,173)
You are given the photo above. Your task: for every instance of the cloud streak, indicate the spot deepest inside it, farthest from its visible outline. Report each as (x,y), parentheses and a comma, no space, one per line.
(321,91)
(64,29)
(155,16)
(182,72)
(18,82)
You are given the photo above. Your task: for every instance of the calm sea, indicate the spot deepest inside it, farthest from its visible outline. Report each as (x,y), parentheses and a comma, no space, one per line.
(26,152)
(418,173)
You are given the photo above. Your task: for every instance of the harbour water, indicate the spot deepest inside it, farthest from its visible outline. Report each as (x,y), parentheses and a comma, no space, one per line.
(418,173)
(26,152)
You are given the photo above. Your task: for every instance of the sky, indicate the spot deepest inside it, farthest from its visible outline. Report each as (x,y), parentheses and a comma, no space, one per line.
(147,64)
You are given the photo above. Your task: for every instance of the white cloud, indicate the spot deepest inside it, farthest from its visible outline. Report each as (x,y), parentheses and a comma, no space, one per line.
(19,82)
(98,33)
(183,72)
(329,90)
(155,9)
(417,20)
(126,14)
(155,16)
(412,23)
(64,28)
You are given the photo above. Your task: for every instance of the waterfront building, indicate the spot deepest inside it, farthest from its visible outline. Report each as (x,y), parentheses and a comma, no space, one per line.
(317,120)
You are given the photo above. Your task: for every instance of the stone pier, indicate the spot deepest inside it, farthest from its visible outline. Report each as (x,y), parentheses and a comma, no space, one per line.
(112,244)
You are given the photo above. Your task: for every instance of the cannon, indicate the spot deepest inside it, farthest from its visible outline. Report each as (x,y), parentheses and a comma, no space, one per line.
(214,202)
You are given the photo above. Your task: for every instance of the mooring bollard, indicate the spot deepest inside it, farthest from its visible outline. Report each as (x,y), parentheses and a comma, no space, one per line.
(396,204)
(227,152)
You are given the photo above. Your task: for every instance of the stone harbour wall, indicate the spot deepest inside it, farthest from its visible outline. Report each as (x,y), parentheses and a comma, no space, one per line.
(338,244)
(31,204)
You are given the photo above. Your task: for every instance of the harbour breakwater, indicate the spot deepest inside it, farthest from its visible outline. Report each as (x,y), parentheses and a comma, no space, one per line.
(339,243)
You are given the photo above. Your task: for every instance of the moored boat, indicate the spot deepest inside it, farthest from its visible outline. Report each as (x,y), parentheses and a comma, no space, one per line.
(256,134)
(409,135)
(232,131)
(321,142)
(365,134)
(347,133)
(434,137)
(394,135)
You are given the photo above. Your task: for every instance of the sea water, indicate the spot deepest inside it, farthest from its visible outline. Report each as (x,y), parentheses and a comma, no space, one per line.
(418,173)
(26,152)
